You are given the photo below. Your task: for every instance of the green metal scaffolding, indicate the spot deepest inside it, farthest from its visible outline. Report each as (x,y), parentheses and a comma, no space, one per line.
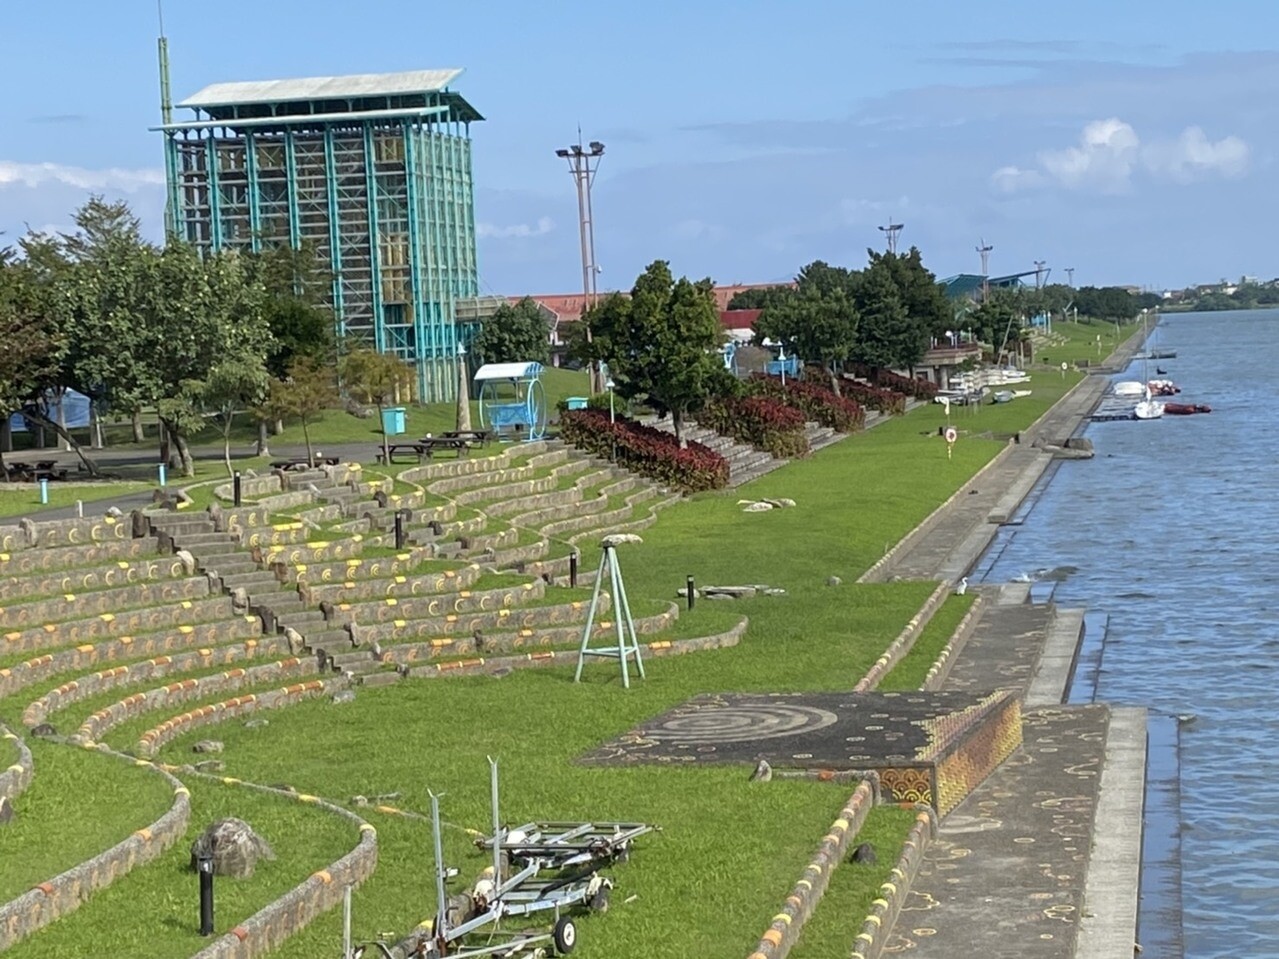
(371,172)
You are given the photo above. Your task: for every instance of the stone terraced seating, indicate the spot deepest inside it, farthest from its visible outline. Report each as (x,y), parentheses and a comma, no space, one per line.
(179,617)
(100,601)
(111,573)
(26,561)
(445,580)
(352,568)
(190,690)
(453,624)
(421,607)
(147,670)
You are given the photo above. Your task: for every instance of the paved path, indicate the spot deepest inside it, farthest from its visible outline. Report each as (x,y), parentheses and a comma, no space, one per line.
(1042,860)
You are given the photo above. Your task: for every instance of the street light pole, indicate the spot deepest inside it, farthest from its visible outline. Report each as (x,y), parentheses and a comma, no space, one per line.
(612,420)
(583,161)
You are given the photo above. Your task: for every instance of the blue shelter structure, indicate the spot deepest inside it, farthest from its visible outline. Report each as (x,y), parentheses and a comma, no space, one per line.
(512,399)
(372,172)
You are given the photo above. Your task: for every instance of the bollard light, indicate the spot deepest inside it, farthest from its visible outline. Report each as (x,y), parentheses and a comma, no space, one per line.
(399,529)
(44,491)
(572,569)
(204,866)
(692,591)
(164,475)
(236,488)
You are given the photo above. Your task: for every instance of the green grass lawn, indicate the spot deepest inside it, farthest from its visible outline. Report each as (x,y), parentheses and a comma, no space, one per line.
(153,912)
(50,833)
(1081,341)
(912,669)
(25,499)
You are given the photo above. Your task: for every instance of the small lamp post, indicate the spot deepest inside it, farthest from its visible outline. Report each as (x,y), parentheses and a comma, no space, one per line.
(612,418)
(781,359)
(204,866)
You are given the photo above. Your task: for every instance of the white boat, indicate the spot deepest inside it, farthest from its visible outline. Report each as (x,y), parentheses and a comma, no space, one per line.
(1148,410)
(1130,388)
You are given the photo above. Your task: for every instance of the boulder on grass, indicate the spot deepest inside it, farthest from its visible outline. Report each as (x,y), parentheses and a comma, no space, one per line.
(234,847)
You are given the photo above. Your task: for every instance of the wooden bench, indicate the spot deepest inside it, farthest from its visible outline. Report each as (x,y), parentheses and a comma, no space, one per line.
(425,448)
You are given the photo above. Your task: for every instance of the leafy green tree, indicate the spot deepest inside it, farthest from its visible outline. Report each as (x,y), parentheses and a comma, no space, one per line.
(234,385)
(886,336)
(376,378)
(33,350)
(816,320)
(514,333)
(660,344)
(306,392)
(204,312)
(757,298)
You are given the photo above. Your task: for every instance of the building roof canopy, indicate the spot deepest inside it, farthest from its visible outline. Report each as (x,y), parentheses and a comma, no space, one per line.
(508,371)
(360,91)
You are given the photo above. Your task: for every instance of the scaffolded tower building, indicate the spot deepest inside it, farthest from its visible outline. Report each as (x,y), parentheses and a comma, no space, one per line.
(372,172)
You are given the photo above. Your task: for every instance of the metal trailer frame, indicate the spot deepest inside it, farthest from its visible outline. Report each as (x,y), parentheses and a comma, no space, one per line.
(522,893)
(567,844)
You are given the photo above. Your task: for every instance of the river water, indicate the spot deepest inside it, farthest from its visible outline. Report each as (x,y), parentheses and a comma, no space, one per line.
(1170,538)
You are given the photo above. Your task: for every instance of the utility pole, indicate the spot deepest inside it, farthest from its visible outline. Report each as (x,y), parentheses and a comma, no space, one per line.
(1070,277)
(166,116)
(984,249)
(891,232)
(1040,273)
(582,164)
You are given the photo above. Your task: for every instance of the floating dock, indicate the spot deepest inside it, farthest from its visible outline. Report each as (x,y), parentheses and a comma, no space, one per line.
(1112,407)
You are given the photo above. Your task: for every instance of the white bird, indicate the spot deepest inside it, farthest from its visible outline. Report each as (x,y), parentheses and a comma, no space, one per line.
(962,587)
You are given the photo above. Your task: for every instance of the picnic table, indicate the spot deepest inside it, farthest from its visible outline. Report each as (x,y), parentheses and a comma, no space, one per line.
(44,469)
(472,437)
(425,448)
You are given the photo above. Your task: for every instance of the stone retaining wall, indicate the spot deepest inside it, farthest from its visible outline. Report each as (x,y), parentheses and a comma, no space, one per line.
(40,668)
(75,532)
(900,646)
(939,670)
(522,488)
(16,777)
(448,580)
(784,930)
(420,607)
(187,690)
(356,567)
(451,624)
(155,668)
(878,925)
(155,738)
(66,892)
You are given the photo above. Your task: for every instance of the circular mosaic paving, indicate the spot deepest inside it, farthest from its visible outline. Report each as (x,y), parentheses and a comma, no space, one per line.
(741,722)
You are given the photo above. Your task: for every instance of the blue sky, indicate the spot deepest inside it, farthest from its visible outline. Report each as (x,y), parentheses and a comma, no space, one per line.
(1134,141)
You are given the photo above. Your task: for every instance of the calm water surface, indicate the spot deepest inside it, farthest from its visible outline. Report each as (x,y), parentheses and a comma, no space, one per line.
(1174,531)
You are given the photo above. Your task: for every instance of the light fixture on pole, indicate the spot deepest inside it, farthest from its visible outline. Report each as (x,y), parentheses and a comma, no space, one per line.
(781,363)
(891,231)
(583,161)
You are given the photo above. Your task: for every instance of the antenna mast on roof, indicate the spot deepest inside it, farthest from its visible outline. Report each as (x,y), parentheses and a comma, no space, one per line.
(984,249)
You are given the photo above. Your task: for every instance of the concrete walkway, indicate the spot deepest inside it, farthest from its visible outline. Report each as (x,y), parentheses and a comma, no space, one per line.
(1042,861)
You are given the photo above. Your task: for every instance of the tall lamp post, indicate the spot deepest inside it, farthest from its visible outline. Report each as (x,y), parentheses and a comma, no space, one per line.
(781,360)
(583,161)
(612,419)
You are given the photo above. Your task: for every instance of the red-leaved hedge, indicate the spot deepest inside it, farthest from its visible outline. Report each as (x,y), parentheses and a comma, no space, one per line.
(919,389)
(875,397)
(815,402)
(765,423)
(652,452)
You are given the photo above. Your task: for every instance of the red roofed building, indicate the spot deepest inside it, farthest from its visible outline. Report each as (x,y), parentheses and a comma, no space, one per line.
(740,324)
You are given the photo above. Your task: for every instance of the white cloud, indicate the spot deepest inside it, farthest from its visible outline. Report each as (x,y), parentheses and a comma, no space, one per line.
(1192,154)
(543,226)
(1104,159)
(1110,152)
(34,175)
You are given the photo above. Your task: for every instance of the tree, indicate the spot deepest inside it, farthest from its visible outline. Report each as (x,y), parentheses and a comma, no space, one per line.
(816,320)
(32,351)
(305,392)
(661,343)
(376,378)
(204,312)
(514,333)
(233,385)
(757,298)
(886,337)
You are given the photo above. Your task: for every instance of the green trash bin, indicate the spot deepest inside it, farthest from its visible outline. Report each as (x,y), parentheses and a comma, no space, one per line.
(576,402)
(393,420)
